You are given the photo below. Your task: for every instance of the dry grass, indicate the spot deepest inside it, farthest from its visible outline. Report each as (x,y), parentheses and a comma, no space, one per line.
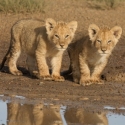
(105,4)
(21,6)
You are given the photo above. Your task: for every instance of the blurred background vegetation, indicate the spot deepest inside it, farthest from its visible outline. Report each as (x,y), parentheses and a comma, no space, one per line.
(31,6)
(104,4)
(21,6)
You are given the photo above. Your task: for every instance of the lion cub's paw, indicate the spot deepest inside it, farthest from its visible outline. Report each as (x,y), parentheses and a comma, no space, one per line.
(76,80)
(44,77)
(17,73)
(85,82)
(58,78)
(97,81)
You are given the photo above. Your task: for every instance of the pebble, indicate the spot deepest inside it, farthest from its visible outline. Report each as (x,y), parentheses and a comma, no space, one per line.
(41,83)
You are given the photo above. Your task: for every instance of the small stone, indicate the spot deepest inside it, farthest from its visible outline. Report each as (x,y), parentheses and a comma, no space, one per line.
(41,83)
(84,98)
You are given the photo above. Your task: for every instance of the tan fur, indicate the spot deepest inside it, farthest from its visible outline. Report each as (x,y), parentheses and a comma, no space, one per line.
(89,55)
(40,40)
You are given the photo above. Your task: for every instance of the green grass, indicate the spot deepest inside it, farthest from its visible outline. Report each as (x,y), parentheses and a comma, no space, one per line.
(105,4)
(21,6)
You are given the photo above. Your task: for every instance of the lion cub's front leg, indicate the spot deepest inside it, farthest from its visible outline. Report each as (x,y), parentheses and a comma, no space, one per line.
(95,76)
(42,67)
(56,66)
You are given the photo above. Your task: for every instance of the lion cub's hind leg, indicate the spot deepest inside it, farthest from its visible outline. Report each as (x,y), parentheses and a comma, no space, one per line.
(84,71)
(74,68)
(12,60)
(31,65)
(76,75)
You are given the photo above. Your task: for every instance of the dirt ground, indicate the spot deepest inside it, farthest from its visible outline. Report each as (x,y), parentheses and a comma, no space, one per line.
(112,92)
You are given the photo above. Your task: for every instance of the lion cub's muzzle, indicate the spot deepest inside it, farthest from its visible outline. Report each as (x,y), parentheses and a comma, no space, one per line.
(104,50)
(62,47)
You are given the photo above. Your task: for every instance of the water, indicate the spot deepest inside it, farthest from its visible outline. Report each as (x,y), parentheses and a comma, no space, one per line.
(15,112)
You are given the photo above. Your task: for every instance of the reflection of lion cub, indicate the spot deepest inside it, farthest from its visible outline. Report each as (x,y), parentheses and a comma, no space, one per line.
(82,117)
(89,56)
(40,41)
(37,114)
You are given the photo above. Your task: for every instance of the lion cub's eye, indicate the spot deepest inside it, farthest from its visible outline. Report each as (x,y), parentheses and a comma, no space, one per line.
(66,36)
(57,36)
(99,41)
(109,41)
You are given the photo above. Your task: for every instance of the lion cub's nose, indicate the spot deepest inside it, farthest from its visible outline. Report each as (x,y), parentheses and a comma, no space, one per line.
(103,50)
(61,45)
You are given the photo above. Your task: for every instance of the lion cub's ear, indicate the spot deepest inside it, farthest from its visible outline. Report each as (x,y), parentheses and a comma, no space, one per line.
(50,24)
(117,31)
(93,31)
(73,26)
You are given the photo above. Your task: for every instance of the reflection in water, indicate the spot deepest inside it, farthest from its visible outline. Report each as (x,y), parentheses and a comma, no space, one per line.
(33,114)
(13,112)
(85,118)
(51,115)
(81,116)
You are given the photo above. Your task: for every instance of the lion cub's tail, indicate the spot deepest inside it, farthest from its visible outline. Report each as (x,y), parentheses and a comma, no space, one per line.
(5,58)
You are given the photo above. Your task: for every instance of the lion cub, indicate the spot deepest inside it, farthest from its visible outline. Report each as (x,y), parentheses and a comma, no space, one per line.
(40,40)
(89,55)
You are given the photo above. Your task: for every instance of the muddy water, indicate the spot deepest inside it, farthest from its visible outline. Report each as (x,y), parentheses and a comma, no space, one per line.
(18,110)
